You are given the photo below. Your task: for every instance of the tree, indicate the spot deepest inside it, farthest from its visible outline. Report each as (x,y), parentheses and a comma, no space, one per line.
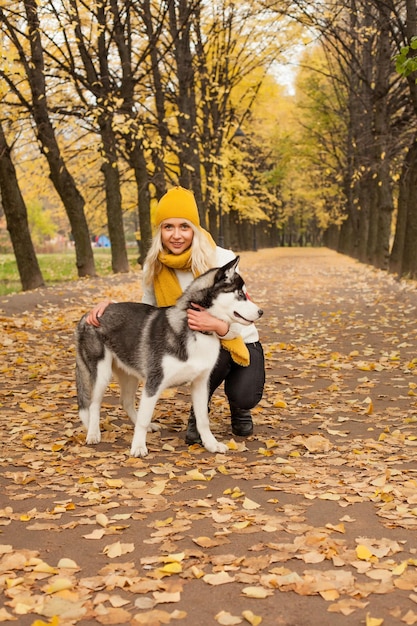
(29,50)
(95,85)
(404,253)
(361,41)
(17,219)
(359,38)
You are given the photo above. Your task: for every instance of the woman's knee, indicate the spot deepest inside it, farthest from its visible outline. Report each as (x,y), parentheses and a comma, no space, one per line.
(244,387)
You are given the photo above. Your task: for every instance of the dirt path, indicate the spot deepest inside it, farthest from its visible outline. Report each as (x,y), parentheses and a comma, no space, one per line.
(310,521)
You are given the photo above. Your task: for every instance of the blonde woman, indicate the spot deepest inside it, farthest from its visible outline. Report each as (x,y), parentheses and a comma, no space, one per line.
(180,251)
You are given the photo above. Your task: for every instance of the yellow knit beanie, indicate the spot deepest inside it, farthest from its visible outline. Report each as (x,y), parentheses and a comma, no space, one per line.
(177,203)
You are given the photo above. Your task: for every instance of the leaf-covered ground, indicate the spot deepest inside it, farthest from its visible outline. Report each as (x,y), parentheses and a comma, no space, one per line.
(312,520)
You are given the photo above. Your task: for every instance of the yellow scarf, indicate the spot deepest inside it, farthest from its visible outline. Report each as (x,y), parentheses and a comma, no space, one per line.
(168,290)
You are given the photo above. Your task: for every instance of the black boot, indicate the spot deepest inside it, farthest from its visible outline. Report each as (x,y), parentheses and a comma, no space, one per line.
(192,435)
(242,425)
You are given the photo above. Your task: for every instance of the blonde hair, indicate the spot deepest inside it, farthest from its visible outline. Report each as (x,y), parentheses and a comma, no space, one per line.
(203,254)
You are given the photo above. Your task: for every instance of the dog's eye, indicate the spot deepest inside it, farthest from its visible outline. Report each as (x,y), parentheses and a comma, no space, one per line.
(241,295)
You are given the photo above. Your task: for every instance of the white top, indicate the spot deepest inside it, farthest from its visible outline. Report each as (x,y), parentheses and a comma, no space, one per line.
(185,278)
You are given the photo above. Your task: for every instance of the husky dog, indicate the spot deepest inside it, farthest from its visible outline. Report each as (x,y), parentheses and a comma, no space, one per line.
(143,342)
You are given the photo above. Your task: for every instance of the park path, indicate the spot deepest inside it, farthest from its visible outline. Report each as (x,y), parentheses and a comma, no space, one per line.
(310,521)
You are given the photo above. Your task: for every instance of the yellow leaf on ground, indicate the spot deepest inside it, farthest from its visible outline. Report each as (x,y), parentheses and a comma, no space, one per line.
(195,474)
(256,592)
(165,597)
(196,572)
(317,443)
(102,519)
(114,483)
(329,496)
(227,619)
(222,578)
(30,408)
(329,594)
(164,522)
(158,488)
(205,542)
(5,616)
(59,584)
(241,525)
(363,553)
(400,569)
(44,568)
(339,528)
(373,621)
(117,549)
(271,443)
(39,622)
(254,620)
(280,404)
(96,534)
(249,504)
(66,563)
(171,568)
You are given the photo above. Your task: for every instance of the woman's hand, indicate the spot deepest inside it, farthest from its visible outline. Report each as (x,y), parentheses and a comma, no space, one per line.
(200,319)
(97,312)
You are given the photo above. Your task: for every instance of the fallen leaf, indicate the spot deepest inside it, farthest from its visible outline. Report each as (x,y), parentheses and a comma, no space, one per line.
(251,618)
(227,619)
(222,578)
(117,549)
(256,592)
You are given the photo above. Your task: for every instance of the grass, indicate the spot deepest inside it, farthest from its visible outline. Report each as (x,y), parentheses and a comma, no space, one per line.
(56,268)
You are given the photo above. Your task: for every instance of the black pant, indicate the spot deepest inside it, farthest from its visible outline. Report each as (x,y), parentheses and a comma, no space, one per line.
(243,386)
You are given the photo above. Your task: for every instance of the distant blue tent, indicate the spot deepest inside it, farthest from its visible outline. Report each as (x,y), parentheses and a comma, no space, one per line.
(103,242)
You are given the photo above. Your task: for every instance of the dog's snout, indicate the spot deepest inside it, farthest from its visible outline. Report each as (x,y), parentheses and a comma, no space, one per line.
(260,312)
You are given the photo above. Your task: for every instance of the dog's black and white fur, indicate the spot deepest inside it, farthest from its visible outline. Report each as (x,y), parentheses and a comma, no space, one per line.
(142,342)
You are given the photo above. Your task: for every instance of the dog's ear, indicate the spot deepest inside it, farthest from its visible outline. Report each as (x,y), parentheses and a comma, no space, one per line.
(227,272)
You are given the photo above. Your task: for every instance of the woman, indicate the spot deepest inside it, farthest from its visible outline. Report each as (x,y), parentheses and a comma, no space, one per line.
(180,251)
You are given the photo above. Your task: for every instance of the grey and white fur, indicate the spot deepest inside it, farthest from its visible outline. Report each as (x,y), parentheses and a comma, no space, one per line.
(141,342)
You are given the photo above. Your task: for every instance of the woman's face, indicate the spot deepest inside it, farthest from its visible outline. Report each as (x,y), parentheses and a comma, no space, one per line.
(176,235)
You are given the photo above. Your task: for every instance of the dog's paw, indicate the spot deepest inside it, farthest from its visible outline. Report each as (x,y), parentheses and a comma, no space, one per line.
(153,428)
(139,450)
(93,438)
(216,446)
(222,448)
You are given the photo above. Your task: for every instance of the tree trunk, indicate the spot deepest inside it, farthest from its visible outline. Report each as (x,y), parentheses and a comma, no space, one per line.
(109,167)
(17,220)
(189,153)
(382,140)
(354,229)
(138,163)
(409,257)
(133,140)
(60,176)
(159,92)
(405,187)
(385,211)
(368,228)
(111,175)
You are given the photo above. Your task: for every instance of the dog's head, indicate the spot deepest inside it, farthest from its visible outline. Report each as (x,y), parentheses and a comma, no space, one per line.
(222,291)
